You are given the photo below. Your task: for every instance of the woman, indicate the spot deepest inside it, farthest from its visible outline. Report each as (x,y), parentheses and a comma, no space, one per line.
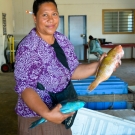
(94,46)
(45,64)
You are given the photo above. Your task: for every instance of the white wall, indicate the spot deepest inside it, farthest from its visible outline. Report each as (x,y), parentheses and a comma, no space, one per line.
(5,7)
(23,22)
(91,8)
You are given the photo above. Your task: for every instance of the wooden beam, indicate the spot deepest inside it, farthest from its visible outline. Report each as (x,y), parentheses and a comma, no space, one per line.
(107,98)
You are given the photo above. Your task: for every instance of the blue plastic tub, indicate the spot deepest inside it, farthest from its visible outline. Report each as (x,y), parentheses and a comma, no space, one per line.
(102,92)
(113,85)
(102,89)
(93,77)
(106,105)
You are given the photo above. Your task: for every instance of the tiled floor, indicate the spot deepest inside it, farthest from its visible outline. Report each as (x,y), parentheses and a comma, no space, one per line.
(8,118)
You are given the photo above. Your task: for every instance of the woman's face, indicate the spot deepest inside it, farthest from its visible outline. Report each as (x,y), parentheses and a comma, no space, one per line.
(47,19)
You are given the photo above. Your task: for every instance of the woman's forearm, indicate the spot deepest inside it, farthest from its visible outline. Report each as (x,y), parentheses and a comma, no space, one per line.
(85,70)
(34,102)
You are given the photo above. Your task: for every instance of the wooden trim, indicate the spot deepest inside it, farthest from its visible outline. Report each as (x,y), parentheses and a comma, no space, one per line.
(118,32)
(117,9)
(103,21)
(134,20)
(103,10)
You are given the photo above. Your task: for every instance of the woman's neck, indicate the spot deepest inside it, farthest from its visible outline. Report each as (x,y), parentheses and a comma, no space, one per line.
(47,38)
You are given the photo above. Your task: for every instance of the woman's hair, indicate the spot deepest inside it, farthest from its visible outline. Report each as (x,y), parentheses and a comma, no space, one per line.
(37,3)
(90,37)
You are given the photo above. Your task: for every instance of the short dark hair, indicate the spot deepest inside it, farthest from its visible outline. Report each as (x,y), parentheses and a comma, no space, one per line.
(90,37)
(37,3)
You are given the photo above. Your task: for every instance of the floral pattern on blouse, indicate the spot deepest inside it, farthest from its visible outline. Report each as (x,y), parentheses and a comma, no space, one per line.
(36,62)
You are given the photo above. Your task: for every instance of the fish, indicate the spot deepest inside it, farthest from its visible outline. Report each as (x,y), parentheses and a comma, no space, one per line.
(107,66)
(67,107)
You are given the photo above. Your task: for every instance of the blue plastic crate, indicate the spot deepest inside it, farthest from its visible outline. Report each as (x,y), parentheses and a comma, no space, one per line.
(102,89)
(102,92)
(113,85)
(106,105)
(111,77)
(92,78)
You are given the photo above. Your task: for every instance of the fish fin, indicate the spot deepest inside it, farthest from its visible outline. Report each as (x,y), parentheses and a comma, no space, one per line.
(93,85)
(37,122)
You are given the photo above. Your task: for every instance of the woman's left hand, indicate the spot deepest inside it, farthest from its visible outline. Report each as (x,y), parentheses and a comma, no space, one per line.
(116,66)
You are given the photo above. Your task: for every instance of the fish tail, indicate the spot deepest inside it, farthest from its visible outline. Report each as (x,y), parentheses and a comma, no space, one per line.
(93,85)
(37,122)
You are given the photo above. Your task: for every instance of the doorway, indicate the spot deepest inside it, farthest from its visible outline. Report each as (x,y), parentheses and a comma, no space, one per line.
(61,25)
(77,33)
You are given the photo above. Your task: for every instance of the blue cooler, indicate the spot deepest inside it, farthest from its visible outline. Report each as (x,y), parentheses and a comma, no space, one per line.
(113,85)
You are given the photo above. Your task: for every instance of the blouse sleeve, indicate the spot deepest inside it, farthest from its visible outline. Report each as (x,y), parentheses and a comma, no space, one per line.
(28,67)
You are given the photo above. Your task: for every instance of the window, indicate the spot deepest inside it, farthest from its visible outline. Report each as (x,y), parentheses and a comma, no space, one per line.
(118,21)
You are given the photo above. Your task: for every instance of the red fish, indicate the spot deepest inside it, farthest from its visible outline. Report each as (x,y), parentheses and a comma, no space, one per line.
(107,66)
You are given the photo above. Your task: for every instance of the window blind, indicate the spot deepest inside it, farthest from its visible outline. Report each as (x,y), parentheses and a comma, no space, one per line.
(118,21)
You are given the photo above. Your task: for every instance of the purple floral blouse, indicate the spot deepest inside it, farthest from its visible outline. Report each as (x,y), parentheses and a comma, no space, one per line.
(36,62)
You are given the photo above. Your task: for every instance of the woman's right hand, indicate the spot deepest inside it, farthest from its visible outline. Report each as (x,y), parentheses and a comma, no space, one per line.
(56,116)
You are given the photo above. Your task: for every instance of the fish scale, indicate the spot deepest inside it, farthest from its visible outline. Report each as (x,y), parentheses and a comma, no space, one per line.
(107,66)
